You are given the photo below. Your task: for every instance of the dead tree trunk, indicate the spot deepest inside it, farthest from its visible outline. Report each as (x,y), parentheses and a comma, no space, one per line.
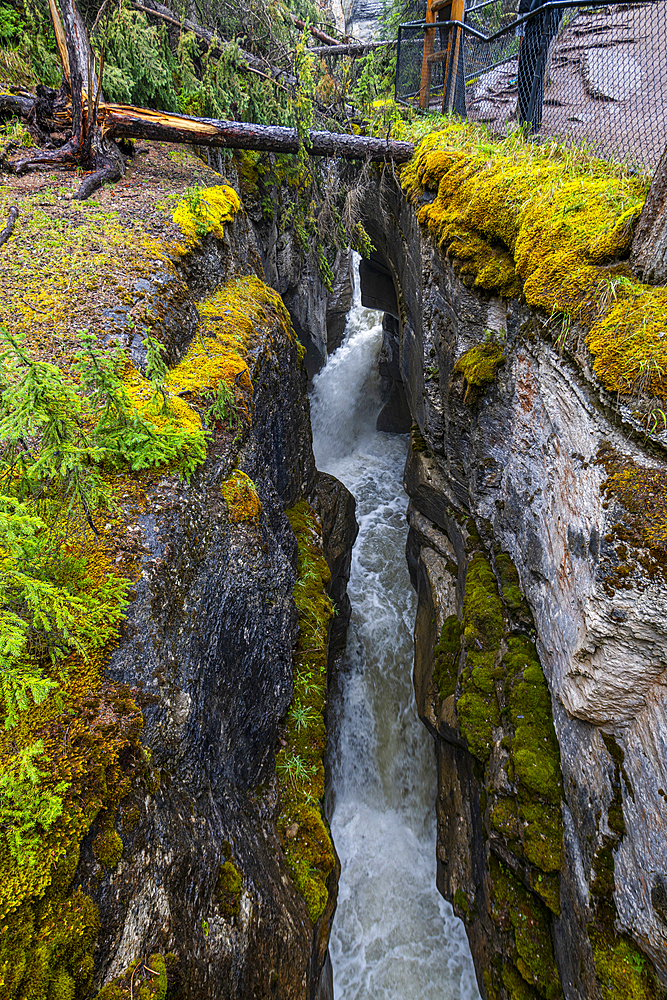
(648,255)
(355,49)
(87,147)
(96,123)
(121,121)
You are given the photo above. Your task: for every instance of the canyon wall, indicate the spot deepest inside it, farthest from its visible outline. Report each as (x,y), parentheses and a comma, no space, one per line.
(538,556)
(189,856)
(209,643)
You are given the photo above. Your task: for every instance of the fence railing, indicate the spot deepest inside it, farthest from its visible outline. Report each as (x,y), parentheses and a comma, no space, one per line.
(570,69)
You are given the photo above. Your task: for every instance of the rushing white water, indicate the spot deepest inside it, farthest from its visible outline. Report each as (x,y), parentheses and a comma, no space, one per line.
(394,937)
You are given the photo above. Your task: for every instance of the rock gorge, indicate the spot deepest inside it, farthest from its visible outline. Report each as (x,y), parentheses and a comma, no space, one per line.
(536,548)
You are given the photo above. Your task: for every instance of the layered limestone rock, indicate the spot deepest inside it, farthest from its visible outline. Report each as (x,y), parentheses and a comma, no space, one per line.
(537,549)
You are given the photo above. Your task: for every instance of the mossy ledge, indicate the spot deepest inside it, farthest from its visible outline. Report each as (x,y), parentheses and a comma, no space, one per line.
(551,225)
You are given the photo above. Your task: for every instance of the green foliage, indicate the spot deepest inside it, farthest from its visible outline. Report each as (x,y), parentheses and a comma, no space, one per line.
(10,24)
(49,607)
(294,768)
(27,808)
(156,371)
(15,133)
(224,408)
(192,196)
(55,433)
(122,434)
(138,61)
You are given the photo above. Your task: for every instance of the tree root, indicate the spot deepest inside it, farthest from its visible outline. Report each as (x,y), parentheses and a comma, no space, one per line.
(11,222)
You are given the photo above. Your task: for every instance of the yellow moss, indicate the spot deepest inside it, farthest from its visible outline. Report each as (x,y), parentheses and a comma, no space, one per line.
(205,211)
(551,223)
(234,321)
(630,342)
(557,222)
(241,498)
(479,367)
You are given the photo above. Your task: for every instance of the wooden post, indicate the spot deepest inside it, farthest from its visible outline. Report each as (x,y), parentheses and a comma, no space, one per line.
(429,44)
(455,13)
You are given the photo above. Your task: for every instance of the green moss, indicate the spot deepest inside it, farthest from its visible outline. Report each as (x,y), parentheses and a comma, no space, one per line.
(228,889)
(479,367)
(482,607)
(623,971)
(446,656)
(461,901)
(547,887)
(509,583)
(483,621)
(417,441)
(516,986)
(142,980)
(108,847)
(504,818)
(299,759)
(489,985)
(542,825)
(47,930)
(530,922)
(47,948)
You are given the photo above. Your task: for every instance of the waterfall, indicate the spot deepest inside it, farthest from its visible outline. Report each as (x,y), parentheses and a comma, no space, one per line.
(394,937)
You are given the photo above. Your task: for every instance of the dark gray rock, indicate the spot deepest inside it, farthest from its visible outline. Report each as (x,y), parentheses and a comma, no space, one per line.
(208,643)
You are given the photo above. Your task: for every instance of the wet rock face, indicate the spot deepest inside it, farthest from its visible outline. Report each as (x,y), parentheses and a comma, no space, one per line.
(208,643)
(529,470)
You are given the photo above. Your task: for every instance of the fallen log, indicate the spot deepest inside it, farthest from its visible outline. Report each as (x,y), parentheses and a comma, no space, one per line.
(315,32)
(354,49)
(122,121)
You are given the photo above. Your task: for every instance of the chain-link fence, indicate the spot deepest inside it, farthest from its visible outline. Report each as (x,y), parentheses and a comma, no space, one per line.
(567,69)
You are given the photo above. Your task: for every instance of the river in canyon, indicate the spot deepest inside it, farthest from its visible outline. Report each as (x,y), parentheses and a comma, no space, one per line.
(394,936)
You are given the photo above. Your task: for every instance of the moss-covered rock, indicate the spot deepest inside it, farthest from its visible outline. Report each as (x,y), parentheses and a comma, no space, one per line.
(299,760)
(108,847)
(479,367)
(446,656)
(520,219)
(530,923)
(228,889)
(142,980)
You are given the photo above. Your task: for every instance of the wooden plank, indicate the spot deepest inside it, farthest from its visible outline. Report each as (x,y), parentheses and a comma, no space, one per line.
(429,44)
